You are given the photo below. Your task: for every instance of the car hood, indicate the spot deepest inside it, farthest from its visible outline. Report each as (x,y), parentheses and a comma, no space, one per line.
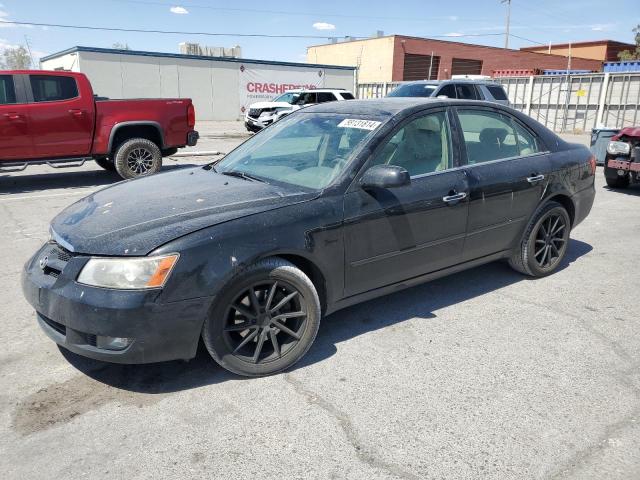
(262,105)
(135,217)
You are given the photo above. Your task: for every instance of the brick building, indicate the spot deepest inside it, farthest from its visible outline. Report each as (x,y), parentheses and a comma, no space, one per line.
(603,50)
(396,58)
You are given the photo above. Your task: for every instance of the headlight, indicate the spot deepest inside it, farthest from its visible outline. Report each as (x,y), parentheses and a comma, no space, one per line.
(128,273)
(618,148)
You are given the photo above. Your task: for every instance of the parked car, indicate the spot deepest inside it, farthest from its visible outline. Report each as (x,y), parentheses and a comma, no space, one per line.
(53,118)
(487,90)
(333,205)
(262,114)
(623,158)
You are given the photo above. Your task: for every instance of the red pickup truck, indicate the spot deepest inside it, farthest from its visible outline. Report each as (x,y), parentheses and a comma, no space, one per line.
(54,118)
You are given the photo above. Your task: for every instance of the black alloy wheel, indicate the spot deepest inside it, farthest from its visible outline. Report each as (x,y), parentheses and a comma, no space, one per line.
(265,321)
(550,241)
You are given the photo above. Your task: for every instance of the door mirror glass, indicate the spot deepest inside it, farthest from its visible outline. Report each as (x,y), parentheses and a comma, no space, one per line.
(385,176)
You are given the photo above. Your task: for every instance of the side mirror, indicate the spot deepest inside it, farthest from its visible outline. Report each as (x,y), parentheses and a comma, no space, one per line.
(385,176)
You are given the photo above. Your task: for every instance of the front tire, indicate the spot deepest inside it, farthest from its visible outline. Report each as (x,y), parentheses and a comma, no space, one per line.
(137,157)
(618,182)
(544,243)
(264,320)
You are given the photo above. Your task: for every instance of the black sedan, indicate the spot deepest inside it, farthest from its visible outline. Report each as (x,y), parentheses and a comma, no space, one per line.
(334,205)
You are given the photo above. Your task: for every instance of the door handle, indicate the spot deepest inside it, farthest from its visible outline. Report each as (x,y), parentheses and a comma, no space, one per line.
(455,198)
(12,116)
(535,178)
(76,113)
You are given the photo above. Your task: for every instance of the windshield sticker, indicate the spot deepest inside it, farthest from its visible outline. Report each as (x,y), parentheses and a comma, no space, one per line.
(362,124)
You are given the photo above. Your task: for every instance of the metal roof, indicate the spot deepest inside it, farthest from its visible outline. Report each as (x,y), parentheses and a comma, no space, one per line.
(139,53)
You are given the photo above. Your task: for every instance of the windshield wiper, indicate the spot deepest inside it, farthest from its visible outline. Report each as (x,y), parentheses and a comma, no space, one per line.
(244,175)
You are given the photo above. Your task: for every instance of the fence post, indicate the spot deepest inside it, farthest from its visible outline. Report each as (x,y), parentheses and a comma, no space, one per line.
(527,107)
(602,100)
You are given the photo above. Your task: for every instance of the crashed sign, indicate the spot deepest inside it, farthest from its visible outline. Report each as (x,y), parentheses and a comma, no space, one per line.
(262,83)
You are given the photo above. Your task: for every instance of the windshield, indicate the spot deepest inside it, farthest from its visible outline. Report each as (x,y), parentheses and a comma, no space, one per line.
(288,97)
(304,149)
(414,90)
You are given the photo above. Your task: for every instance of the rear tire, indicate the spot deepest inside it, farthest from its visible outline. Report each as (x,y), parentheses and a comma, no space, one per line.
(618,182)
(137,157)
(106,163)
(544,243)
(269,330)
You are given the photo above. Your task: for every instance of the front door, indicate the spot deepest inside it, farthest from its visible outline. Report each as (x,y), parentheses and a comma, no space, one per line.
(15,143)
(396,234)
(60,121)
(508,169)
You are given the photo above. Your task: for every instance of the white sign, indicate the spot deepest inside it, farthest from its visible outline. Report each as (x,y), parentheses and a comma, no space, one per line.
(361,124)
(261,83)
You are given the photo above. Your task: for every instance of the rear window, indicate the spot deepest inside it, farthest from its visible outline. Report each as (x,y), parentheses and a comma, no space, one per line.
(347,96)
(50,88)
(7,91)
(497,92)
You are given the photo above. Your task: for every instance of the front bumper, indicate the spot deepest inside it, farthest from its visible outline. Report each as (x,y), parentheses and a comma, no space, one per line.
(76,316)
(192,138)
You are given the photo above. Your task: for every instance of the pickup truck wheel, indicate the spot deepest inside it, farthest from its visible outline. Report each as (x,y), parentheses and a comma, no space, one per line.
(137,157)
(544,243)
(264,320)
(618,182)
(106,163)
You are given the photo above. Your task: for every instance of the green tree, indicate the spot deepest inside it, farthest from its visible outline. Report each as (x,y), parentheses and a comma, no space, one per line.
(121,46)
(16,58)
(632,54)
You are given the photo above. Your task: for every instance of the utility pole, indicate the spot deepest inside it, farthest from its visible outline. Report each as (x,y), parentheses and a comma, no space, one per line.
(506,37)
(26,40)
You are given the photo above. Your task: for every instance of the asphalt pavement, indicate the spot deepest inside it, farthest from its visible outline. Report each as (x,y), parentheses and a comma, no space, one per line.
(485,374)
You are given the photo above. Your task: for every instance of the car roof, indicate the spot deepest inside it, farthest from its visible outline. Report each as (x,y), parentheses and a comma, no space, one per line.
(452,80)
(301,90)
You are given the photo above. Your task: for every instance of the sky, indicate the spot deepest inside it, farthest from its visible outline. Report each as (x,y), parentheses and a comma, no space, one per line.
(473,21)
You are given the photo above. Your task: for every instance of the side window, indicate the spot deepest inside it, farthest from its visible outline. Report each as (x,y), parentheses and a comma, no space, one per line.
(466,91)
(347,95)
(497,92)
(422,146)
(527,143)
(306,98)
(448,90)
(7,90)
(50,88)
(487,136)
(325,97)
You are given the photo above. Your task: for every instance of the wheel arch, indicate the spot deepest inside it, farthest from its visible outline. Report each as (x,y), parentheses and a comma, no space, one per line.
(124,131)
(566,202)
(310,269)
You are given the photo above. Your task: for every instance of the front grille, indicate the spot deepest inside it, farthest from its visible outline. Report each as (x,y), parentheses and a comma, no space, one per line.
(53,259)
(255,112)
(58,327)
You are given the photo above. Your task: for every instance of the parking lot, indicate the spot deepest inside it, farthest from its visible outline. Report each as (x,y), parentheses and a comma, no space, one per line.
(483,374)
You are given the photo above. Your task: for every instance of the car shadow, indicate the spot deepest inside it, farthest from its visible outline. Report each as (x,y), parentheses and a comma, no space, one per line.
(416,302)
(633,190)
(38,182)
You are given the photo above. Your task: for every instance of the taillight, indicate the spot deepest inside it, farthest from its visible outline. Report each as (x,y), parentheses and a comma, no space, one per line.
(592,165)
(191,116)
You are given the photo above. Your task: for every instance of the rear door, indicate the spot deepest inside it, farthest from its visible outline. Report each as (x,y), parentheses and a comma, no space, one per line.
(508,168)
(15,143)
(60,120)
(395,234)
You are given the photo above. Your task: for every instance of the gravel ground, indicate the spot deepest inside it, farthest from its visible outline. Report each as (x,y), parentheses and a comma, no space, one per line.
(484,374)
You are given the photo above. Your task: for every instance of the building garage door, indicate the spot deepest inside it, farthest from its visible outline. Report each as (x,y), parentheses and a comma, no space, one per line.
(417,67)
(466,66)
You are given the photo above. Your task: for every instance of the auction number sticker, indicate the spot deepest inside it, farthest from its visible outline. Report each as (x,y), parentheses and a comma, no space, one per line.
(362,124)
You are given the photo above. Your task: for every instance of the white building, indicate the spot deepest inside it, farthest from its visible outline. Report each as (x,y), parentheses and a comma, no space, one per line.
(221,88)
